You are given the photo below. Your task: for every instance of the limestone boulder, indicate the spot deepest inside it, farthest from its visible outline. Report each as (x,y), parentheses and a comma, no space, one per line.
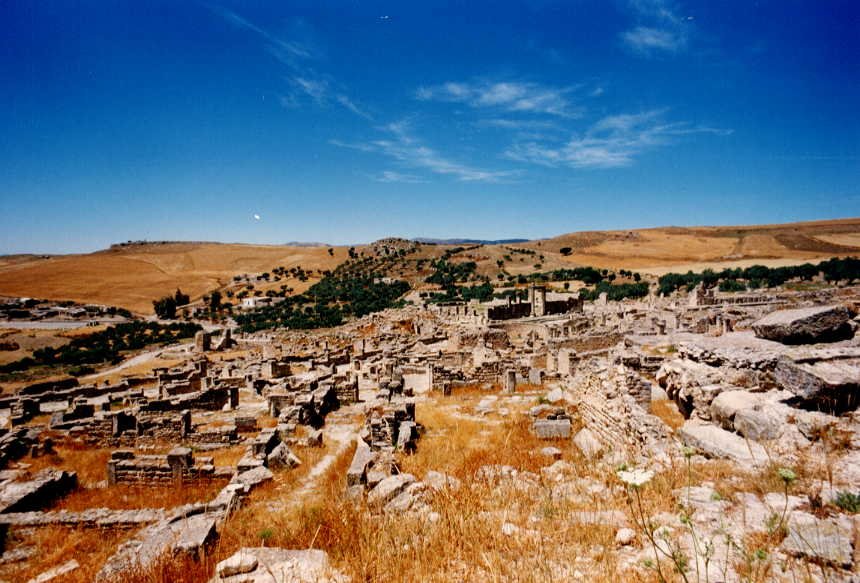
(357,472)
(552,428)
(441,481)
(805,325)
(389,488)
(268,565)
(253,478)
(827,540)
(587,443)
(726,405)
(719,443)
(282,457)
(759,424)
(831,384)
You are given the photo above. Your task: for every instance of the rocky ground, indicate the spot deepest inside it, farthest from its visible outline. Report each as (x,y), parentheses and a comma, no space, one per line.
(414,446)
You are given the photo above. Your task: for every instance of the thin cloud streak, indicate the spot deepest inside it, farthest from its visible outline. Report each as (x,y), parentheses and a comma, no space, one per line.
(612,142)
(390,176)
(408,150)
(660,28)
(304,79)
(285,51)
(510,96)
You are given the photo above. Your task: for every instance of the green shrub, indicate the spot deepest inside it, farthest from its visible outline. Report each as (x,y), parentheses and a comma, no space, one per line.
(848,501)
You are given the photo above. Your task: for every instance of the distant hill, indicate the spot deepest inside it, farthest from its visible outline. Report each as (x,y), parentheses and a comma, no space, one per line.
(133,274)
(468,241)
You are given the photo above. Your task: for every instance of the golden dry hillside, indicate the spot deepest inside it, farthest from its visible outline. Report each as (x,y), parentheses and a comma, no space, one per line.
(681,248)
(132,276)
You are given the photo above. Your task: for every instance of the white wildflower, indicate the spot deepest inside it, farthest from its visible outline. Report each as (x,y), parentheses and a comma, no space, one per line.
(635,478)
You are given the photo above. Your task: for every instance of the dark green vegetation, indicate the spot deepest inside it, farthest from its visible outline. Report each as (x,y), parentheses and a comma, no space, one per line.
(481,292)
(356,288)
(165,308)
(102,347)
(759,276)
(587,275)
(448,275)
(848,501)
(615,292)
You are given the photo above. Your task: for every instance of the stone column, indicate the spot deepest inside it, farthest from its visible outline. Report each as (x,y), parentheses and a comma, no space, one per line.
(510,381)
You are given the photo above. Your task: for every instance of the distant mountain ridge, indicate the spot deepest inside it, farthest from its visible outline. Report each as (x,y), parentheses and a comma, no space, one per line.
(431,241)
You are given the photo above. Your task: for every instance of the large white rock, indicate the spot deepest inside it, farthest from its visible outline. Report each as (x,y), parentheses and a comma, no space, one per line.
(716,442)
(240,563)
(388,489)
(760,424)
(805,325)
(441,481)
(587,443)
(725,406)
(277,566)
(823,539)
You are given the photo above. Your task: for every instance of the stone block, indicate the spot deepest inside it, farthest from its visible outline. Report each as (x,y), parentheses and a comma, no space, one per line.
(552,428)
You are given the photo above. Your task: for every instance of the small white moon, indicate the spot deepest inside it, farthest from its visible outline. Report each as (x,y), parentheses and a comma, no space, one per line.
(256,217)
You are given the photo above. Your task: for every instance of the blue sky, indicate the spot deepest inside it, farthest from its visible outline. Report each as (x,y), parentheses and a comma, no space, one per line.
(348,121)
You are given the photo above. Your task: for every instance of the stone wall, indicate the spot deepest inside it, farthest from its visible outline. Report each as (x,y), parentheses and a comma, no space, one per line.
(177,467)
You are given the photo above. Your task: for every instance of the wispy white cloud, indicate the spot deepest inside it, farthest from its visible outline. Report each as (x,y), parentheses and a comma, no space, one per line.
(286,51)
(511,96)
(305,81)
(316,89)
(348,103)
(516,124)
(401,145)
(612,142)
(390,176)
(645,39)
(659,30)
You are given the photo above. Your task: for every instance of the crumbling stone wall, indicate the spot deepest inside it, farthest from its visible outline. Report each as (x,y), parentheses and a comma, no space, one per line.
(177,467)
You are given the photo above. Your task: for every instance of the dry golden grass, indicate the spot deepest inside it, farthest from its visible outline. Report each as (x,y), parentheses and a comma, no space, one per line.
(28,341)
(127,497)
(116,376)
(228,456)
(464,541)
(83,331)
(659,250)
(132,277)
(55,545)
(89,463)
(667,411)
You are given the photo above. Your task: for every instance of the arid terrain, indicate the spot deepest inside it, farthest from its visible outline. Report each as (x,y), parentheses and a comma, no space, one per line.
(413,412)
(134,275)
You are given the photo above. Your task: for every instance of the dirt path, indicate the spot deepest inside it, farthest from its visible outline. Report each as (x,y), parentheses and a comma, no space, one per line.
(339,432)
(134,361)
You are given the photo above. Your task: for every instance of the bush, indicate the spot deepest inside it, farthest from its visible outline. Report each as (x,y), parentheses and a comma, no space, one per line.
(732,285)
(105,346)
(757,276)
(79,371)
(616,292)
(848,501)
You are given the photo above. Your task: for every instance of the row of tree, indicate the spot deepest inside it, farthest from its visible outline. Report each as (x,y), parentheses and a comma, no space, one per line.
(327,303)
(757,276)
(165,307)
(105,346)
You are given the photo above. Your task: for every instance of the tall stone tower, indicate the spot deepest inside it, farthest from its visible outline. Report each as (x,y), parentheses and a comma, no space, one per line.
(537,298)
